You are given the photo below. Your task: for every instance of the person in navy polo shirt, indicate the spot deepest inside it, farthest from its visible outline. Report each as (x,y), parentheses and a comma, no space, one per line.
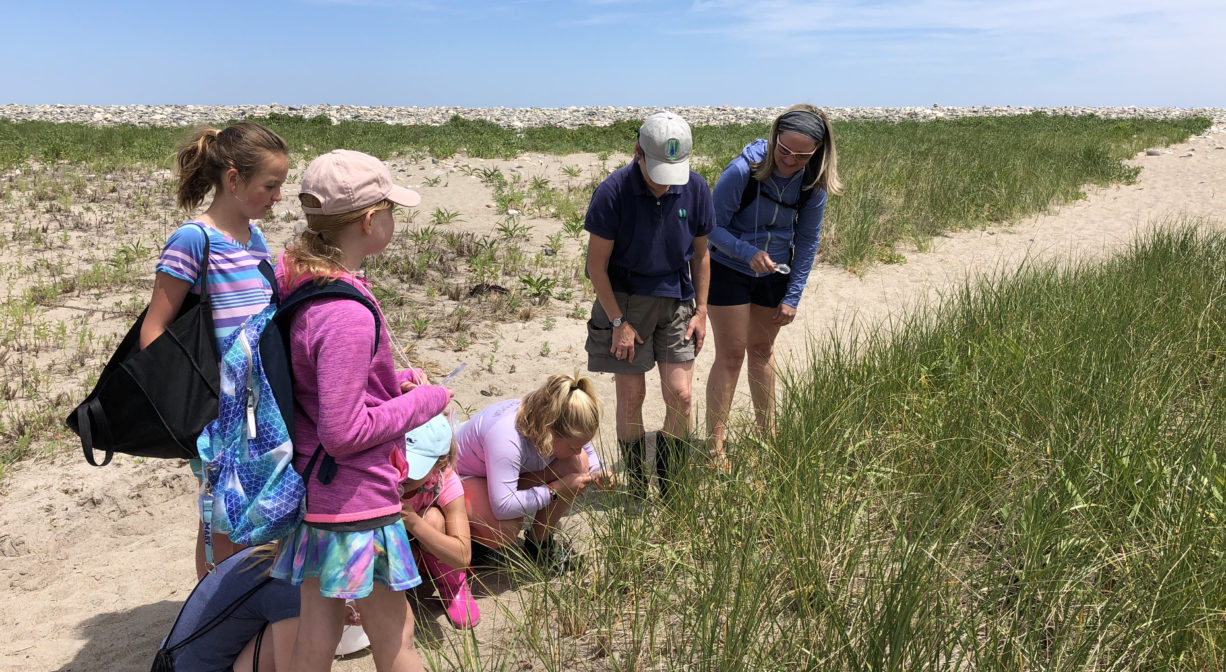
(648,261)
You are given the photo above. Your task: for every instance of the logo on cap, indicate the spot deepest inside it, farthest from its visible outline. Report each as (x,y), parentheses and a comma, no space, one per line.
(672,147)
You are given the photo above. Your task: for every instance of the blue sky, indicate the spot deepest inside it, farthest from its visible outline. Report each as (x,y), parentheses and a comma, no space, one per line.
(521,53)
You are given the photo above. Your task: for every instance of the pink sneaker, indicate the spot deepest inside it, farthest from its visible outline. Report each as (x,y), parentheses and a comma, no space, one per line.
(453,590)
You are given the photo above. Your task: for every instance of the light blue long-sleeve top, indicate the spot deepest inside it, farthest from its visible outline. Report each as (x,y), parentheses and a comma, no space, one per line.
(767,223)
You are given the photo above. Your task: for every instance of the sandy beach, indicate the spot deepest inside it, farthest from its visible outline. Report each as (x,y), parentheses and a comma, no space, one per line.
(96,562)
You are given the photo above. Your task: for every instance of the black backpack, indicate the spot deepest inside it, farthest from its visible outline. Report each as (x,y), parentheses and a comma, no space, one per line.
(274,354)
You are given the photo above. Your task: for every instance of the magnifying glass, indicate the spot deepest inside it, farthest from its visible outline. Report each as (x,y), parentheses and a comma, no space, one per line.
(453,374)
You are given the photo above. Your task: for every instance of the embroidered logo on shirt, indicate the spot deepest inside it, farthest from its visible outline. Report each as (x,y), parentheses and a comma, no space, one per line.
(681,213)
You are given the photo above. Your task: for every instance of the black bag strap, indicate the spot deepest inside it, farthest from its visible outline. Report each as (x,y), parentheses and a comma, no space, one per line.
(204,264)
(259,642)
(92,408)
(217,619)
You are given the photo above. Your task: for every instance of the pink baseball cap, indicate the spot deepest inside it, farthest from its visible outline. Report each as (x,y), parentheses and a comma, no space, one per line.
(344,181)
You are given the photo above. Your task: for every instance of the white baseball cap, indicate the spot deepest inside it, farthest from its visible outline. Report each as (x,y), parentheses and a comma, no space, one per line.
(426,444)
(666,142)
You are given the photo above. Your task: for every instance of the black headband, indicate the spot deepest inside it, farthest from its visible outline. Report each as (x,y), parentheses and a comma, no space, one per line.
(803,122)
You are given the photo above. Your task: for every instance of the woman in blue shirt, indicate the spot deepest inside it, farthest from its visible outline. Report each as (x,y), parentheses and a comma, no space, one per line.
(769,204)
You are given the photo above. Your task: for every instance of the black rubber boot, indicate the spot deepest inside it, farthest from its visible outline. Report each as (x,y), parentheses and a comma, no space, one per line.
(633,454)
(671,454)
(551,554)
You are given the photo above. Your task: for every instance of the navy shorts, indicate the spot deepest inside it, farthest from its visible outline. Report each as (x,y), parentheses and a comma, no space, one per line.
(730,287)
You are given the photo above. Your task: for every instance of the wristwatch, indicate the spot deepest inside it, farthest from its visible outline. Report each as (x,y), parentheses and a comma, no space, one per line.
(553,494)
(617,322)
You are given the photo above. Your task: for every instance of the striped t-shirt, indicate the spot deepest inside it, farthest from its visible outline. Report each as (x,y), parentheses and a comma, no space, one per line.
(237,287)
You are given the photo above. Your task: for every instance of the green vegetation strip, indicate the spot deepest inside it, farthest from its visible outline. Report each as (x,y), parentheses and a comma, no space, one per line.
(905,181)
(1031,477)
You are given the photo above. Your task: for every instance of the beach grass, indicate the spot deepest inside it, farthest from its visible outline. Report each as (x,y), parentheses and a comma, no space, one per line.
(1028,477)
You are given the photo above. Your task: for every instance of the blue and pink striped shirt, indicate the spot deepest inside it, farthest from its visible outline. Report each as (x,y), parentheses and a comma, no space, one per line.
(236,285)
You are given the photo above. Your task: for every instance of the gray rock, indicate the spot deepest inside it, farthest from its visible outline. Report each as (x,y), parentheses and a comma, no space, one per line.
(565,117)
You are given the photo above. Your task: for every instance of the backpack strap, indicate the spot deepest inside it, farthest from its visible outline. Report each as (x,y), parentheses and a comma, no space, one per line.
(327,468)
(274,343)
(753,189)
(312,292)
(271,276)
(259,641)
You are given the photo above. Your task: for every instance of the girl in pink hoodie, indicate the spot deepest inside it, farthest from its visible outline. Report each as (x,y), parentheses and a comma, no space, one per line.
(351,411)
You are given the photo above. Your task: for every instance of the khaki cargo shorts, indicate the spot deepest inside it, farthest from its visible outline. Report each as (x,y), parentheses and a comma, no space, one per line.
(660,321)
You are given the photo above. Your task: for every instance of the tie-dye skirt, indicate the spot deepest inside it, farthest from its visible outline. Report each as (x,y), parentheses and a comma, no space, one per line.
(348,563)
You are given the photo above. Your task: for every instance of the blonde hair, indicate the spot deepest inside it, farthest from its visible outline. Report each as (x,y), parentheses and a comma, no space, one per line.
(209,153)
(823,165)
(260,554)
(315,252)
(564,405)
(454,453)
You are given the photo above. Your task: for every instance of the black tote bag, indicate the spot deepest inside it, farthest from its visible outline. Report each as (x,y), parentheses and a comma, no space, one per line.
(155,402)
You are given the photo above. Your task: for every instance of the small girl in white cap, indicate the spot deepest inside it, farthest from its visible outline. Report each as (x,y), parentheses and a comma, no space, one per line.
(434,514)
(352,408)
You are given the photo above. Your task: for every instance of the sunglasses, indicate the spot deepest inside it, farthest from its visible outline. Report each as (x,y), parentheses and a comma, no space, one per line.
(800,156)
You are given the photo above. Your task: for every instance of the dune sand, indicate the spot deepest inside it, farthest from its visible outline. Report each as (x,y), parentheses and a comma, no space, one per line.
(95,563)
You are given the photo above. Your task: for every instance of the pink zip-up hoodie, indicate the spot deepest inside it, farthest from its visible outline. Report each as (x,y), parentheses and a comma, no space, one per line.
(351,404)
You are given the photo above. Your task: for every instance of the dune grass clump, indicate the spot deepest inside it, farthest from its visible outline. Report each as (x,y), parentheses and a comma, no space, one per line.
(1029,477)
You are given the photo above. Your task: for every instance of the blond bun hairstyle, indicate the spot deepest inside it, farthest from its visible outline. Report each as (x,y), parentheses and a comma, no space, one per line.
(564,405)
(823,164)
(315,252)
(209,153)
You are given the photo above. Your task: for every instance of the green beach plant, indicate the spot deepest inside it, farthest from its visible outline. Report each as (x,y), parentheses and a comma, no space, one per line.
(442,216)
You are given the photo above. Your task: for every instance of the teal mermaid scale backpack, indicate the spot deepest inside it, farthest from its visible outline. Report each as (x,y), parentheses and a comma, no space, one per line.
(251,492)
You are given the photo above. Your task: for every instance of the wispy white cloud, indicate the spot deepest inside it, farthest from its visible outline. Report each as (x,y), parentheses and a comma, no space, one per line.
(1124,50)
(1053,26)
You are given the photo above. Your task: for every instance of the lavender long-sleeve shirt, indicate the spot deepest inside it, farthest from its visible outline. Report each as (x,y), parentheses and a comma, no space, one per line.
(351,404)
(490,447)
